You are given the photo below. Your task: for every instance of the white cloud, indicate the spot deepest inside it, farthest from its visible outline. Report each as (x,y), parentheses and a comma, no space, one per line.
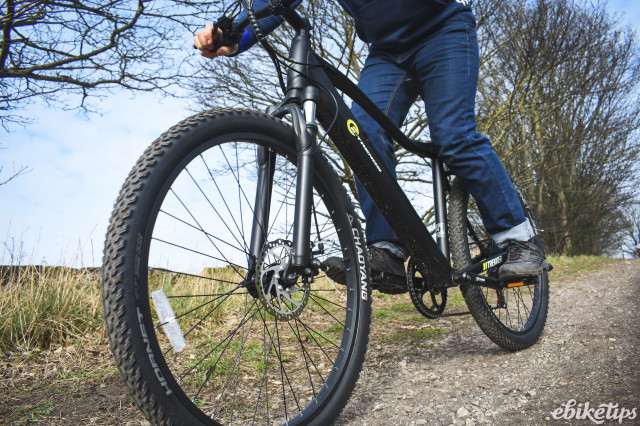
(78,165)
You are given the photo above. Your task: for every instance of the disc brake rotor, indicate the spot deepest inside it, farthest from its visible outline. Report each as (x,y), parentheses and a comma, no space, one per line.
(282,299)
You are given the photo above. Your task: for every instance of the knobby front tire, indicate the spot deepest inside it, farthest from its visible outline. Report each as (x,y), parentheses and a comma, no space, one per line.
(182,224)
(514,318)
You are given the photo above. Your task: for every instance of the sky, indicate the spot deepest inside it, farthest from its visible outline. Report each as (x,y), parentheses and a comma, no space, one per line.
(58,212)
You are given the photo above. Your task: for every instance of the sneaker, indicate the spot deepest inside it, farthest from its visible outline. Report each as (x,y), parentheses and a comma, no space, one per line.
(387,271)
(335,269)
(524,259)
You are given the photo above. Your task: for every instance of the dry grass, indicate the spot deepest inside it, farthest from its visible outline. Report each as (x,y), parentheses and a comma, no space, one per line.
(44,306)
(565,267)
(40,307)
(73,380)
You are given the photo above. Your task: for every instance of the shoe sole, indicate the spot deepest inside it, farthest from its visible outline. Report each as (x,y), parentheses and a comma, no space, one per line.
(383,282)
(538,272)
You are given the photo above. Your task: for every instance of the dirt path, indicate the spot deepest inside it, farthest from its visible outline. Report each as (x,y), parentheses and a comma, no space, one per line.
(590,353)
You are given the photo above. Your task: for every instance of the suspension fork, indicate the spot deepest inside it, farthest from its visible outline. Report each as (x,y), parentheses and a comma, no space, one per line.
(306,147)
(298,92)
(266,161)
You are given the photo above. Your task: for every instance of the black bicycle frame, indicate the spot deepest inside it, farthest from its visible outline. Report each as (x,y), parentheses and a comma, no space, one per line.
(313,84)
(358,151)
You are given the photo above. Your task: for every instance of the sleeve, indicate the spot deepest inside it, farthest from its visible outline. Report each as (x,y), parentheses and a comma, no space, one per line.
(266,26)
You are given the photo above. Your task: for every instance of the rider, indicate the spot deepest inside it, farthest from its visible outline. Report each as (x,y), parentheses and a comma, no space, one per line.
(433,43)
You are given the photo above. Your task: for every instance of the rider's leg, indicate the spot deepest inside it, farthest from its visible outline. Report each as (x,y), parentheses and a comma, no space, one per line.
(447,66)
(383,81)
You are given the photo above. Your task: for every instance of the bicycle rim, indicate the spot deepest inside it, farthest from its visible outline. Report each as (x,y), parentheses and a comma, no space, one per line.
(229,347)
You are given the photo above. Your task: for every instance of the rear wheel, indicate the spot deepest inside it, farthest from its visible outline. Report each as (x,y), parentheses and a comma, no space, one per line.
(205,333)
(513,317)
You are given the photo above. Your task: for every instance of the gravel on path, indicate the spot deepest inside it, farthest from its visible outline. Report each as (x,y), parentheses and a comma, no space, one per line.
(587,358)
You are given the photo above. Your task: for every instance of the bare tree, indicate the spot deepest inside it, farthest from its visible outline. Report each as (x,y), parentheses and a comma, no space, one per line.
(15,172)
(631,238)
(559,99)
(51,49)
(249,81)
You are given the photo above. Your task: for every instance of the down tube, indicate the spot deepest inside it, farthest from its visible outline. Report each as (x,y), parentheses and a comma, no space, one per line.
(394,205)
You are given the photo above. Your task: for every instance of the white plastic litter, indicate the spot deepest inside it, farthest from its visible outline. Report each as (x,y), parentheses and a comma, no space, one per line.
(167,318)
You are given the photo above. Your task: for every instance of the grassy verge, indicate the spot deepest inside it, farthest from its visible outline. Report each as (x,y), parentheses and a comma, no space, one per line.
(570,267)
(74,378)
(40,307)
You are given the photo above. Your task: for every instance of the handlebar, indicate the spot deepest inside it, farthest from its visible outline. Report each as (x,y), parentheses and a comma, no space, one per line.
(232,31)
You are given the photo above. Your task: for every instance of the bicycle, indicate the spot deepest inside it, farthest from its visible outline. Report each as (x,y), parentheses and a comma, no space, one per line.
(215,303)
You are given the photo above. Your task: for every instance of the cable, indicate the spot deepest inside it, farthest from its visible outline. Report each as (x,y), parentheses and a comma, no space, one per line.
(265,44)
(280,61)
(235,9)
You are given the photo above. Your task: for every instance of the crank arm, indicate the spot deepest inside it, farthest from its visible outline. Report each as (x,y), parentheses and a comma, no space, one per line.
(468,277)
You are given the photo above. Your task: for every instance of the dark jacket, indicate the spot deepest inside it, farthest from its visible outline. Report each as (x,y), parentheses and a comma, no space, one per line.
(386,24)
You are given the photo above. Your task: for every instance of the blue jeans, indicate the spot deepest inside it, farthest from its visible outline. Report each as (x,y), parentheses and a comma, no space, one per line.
(445,67)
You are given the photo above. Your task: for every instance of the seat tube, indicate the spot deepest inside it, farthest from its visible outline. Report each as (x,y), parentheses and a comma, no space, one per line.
(266,161)
(440,204)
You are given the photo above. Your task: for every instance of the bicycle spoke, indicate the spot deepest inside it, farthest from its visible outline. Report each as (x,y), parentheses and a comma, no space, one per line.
(228,294)
(206,233)
(191,276)
(215,183)
(264,371)
(306,354)
(315,296)
(251,355)
(277,215)
(198,307)
(326,311)
(217,213)
(237,364)
(316,342)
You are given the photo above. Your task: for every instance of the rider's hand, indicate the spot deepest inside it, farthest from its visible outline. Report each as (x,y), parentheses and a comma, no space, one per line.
(205,39)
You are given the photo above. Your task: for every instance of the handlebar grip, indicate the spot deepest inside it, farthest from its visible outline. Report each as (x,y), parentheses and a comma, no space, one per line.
(232,32)
(225,39)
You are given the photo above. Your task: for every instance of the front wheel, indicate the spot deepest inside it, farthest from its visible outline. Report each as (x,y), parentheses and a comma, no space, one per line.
(202,330)
(512,317)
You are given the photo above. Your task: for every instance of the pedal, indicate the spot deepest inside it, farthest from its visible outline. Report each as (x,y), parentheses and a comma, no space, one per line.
(522,282)
(388,284)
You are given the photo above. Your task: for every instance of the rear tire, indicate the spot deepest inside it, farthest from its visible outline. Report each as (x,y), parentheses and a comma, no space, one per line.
(514,319)
(182,224)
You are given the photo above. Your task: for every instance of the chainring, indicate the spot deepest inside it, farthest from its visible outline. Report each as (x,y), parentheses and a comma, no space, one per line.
(282,300)
(420,288)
